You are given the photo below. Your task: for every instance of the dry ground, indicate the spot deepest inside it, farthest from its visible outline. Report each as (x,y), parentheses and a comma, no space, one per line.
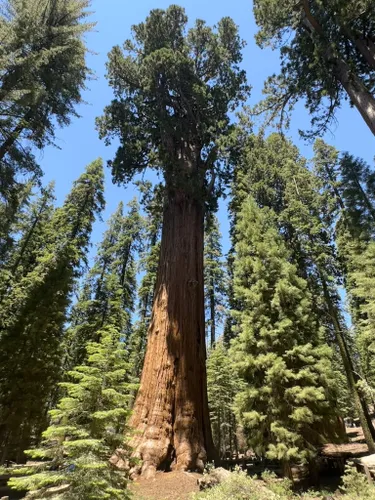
(166,486)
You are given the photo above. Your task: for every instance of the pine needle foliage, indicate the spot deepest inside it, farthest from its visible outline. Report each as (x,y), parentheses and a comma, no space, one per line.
(215,281)
(86,435)
(278,353)
(108,291)
(222,385)
(34,311)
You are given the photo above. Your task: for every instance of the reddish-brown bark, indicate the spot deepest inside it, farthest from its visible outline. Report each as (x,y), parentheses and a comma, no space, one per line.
(170,416)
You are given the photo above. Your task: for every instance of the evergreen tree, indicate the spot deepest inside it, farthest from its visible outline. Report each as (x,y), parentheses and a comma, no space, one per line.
(186,82)
(214,277)
(33,314)
(223,384)
(327,55)
(279,352)
(111,278)
(305,215)
(85,441)
(349,181)
(42,74)
(12,206)
(30,239)
(363,280)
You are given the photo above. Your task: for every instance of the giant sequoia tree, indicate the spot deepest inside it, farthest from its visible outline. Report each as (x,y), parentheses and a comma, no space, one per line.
(173,91)
(327,55)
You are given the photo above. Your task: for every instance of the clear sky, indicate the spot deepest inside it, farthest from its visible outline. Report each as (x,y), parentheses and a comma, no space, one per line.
(79,143)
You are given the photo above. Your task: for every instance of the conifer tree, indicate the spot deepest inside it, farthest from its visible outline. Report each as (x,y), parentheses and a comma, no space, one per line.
(30,234)
(12,206)
(327,55)
(363,291)
(85,440)
(42,74)
(349,182)
(279,351)
(278,178)
(111,278)
(186,82)
(33,314)
(214,277)
(223,384)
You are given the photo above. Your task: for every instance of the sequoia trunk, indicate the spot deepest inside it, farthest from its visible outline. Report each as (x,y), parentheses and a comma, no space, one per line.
(170,416)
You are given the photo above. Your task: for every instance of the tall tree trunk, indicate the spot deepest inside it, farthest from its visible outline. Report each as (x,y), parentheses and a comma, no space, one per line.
(352,378)
(212,314)
(361,98)
(170,416)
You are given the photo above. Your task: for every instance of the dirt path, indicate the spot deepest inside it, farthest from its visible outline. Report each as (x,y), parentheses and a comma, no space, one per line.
(166,486)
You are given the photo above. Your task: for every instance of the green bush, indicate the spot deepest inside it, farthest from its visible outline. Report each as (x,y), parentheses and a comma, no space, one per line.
(239,487)
(356,485)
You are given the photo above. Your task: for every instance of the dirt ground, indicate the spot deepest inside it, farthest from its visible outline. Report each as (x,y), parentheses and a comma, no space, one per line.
(166,486)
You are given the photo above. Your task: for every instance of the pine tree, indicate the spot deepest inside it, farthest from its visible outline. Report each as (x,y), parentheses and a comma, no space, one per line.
(327,55)
(113,277)
(186,82)
(82,446)
(279,351)
(33,314)
(12,207)
(214,277)
(42,74)
(223,385)
(305,214)
(29,233)
(363,280)
(349,181)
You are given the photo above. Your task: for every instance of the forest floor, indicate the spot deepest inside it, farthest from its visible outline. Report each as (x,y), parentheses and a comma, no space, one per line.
(166,486)
(181,485)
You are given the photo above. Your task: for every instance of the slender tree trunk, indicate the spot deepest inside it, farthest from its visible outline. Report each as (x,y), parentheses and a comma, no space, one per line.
(170,416)
(212,314)
(360,405)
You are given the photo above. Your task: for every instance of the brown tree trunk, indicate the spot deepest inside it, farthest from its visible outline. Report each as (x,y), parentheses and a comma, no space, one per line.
(361,98)
(170,416)
(212,314)
(352,378)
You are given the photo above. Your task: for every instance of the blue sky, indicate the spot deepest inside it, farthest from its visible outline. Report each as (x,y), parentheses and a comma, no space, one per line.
(79,143)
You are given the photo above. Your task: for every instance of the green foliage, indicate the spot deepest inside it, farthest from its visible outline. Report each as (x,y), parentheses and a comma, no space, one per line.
(107,294)
(222,385)
(34,311)
(279,352)
(356,485)
(325,48)
(85,440)
(183,81)
(214,277)
(350,183)
(240,486)
(42,69)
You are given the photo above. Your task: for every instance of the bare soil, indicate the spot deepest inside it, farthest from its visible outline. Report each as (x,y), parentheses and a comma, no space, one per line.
(166,486)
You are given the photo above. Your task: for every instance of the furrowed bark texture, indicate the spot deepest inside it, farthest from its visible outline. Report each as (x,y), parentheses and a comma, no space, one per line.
(170,416)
